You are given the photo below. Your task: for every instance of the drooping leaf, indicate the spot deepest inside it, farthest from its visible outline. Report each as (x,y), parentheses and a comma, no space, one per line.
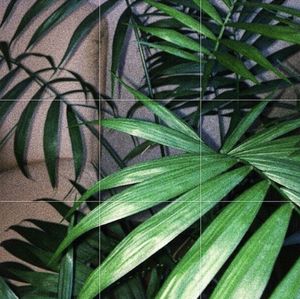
(81,31)
(9,9)
(247,275)
(57,16)
(76,141)
(50,141)
(31,13)
(119,40)
(22,135)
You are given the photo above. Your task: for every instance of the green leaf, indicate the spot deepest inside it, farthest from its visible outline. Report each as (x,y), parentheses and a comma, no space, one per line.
(5,291)
(156,133)
(4,48)
(76,141)
(253,54)
(221,184)
(149,237)
(66,272)
(235,65)
(289,286)
(141,172)
(8,11)
(119,41)
(57,16)
(177,52)
(249,272)
(183,18)
(209,9)
(51,142)
(267,135)
(276,32)
(215,246)
(37,8)
(173,37)
(17,90)
(241,128)
(228,3)
(163,113)
(279,8)
(22,135)
(81,32)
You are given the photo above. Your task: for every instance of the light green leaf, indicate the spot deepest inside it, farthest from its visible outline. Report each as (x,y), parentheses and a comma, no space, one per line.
(163,113)
(243,126)
(51,131)
(144,171)
(138,198)
(150,237)
(66,272)
(183,18)
(156,133)
(252,53)
(279,8)
(289,287)
(275,32)
(247,275)
(221,186)
(176,51)
(209,9)
(173,37)
(235,65)
(267,135)
(214,247)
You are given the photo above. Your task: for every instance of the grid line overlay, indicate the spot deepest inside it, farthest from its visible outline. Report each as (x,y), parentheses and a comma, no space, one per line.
(99,147)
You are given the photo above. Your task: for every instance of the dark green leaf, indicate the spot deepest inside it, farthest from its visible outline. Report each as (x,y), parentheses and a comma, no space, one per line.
(51,142)
(22,135)
(56,17)
(81,32)
(76,141)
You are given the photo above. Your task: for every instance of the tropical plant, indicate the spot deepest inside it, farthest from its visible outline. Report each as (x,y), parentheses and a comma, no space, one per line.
(220,223)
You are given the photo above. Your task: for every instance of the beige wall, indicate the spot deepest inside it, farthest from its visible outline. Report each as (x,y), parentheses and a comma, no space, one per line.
(16,191)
